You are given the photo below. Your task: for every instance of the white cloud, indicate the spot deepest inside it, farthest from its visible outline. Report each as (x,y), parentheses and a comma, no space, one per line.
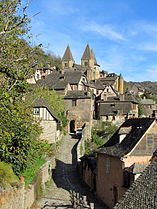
(148,46)
(106,31)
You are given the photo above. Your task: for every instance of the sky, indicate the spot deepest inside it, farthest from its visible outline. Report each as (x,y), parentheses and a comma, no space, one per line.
(123,33)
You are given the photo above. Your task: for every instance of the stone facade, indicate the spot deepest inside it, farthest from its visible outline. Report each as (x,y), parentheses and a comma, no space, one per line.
(79,107)
(49,131)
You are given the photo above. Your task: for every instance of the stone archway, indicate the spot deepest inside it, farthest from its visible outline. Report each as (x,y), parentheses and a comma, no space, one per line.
(72,126)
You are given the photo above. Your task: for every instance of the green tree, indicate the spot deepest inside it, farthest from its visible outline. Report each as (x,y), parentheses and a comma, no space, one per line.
(18,130)
(140,106)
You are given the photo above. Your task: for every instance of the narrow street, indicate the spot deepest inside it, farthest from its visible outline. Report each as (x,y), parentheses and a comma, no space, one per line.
(65,178)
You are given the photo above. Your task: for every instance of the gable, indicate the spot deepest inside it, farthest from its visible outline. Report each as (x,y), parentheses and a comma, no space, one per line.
(148,144)
(109,92)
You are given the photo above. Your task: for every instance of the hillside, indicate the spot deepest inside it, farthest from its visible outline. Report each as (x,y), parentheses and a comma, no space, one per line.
(148,86)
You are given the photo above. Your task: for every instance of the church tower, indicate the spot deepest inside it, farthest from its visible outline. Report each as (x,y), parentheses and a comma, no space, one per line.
(89,63)
(87,58)
(67,60)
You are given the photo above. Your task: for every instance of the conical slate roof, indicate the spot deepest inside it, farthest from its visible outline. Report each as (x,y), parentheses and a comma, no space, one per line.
(93,56)
(68,55)
(87,53)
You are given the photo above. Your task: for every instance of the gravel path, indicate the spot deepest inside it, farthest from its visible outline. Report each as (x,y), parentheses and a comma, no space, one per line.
(65,178)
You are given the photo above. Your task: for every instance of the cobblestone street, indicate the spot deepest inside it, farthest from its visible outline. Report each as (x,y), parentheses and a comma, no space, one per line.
(65,178)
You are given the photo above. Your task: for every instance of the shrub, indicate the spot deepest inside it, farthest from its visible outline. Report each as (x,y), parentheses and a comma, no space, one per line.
(7,175)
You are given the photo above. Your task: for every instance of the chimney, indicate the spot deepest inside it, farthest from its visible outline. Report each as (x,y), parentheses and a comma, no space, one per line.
(121,97)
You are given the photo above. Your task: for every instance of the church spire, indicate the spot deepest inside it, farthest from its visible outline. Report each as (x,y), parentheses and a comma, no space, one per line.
(87,53)
(68,55)
(67,59)
(93,56)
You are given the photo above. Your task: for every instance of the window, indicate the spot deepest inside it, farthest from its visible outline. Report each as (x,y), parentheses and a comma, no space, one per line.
(36,111)
(86,63)
(107,165)
(74,102)
(66,64)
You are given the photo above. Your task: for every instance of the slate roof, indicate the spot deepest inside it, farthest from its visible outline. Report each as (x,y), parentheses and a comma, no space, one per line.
(57,80)
(42,103)
(143,192)
(113,105)
(109,79)
(87,53)
(113,109)
(68,55)
(127,98)
(113,148)
(96,84)
(147,102)
(77,95)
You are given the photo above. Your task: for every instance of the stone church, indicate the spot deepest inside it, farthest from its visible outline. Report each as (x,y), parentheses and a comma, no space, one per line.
(89,65)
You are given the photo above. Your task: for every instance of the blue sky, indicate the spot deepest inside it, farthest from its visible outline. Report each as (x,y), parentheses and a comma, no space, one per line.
(123,33)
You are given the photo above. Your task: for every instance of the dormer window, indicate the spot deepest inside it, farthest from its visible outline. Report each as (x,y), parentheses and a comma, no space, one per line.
(123,132)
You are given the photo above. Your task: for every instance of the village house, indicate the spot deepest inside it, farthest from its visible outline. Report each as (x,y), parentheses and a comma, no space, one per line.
(49,122)
(111,79)
(142,193)
(110,106)
(149,106)
(125,155)
(64,81)
(42,72)
(79,107)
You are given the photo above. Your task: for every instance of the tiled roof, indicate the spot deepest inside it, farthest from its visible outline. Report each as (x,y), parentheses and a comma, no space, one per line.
(87,53)
(58,80)
(77,95)
(42,103)
(113,148)
(68,55)
(143,192)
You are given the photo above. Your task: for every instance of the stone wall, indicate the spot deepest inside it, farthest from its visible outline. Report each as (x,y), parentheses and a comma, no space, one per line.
(81,144)
(12,198)
(19,197)
(49,131)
